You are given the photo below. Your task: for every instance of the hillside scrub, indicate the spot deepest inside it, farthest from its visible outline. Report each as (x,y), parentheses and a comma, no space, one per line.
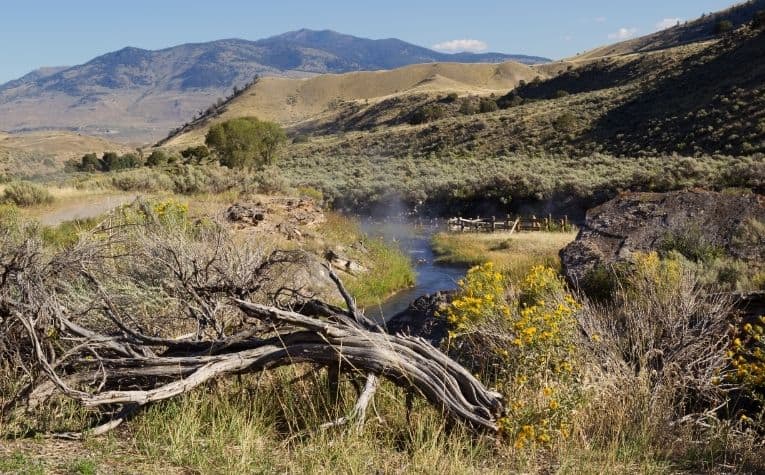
(455,183)
(186,179)
(24,193)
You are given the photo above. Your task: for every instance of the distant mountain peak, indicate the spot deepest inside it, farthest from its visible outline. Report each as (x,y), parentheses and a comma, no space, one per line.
(150,92)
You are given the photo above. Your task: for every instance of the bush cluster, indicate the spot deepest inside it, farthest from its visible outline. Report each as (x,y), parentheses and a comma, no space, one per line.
(525,343)
(747,359)
(24,193)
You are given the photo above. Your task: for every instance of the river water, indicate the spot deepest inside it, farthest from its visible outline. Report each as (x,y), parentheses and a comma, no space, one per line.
(413,237)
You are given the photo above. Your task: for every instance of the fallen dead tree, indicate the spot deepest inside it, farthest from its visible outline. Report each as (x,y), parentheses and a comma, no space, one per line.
(74,323)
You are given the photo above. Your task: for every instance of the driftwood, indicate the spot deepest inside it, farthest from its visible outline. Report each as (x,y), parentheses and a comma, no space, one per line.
(118,368)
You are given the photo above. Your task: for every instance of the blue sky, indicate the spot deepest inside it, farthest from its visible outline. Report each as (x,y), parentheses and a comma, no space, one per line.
(55,32)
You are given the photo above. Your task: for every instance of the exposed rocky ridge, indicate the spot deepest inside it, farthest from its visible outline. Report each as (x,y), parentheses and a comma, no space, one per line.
(642,222)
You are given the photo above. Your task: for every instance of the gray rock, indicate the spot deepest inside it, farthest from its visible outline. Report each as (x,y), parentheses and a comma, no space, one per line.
(644,222)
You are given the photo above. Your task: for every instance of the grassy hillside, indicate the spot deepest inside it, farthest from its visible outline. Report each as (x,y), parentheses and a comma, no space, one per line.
(293,102)
(700,29)
(630,105)
(39,153)
(580,131)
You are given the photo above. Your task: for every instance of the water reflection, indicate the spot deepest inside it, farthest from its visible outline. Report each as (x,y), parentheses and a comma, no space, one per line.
(413,237)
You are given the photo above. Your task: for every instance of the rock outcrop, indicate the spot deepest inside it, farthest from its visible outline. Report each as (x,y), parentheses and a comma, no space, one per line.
(731,223)
(422,318)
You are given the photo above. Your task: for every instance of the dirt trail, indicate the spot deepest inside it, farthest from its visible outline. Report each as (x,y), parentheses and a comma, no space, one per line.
(82,208)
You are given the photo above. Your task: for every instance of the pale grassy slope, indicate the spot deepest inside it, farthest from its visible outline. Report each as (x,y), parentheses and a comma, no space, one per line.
(700,30)
(292,101)
(44,152)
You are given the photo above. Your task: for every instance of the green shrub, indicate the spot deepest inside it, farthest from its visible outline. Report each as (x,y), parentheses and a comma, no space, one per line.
(692,243)
(24,193)
(112,161)
(525,344)
(246,142)
(89,163)
(195,155)
(488,105)
(427,113)
(67,233)
(157,158)
(510,100)
(451,97)
(468,107)
(723,26)
(599,283)
(565,122)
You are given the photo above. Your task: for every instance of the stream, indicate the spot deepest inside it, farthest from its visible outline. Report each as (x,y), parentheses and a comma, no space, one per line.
(413,237)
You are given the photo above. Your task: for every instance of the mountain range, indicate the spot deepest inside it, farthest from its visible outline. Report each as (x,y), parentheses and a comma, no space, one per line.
(139,95)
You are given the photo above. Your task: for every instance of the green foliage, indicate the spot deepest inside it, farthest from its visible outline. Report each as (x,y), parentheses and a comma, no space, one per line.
(451,97)
(427,113)
(109,161)
(89,163)
(468,107)
(67,233)
(565,122)
(195,155)
(525,344)
(83,467)
(246,142)
(390,269)
(723,26)
(488,105)
(19,463)
(23,193)
(510,100)
(157,158)
(692,243)
(599,283)
(112,161)
(10,218)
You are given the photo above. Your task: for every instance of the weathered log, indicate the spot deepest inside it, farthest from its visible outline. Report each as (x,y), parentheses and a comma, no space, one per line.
(99,355)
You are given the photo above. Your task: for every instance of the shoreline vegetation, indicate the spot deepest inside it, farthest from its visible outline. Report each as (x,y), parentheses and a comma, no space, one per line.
(514,255)
(613,424)
(442,184)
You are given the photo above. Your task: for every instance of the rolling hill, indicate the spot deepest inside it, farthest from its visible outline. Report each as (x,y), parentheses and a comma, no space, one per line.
(136,95)
(40,153)
(700,29)
(329,100)
(630,105)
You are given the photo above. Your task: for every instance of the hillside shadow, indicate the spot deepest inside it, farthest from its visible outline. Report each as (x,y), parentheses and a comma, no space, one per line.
(690,111)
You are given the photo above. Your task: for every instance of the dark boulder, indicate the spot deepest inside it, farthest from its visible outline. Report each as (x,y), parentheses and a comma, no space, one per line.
(422,318)
(695,221)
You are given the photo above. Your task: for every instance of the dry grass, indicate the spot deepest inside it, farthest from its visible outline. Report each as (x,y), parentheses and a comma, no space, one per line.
(40,153)
(291,101)
(513,254)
